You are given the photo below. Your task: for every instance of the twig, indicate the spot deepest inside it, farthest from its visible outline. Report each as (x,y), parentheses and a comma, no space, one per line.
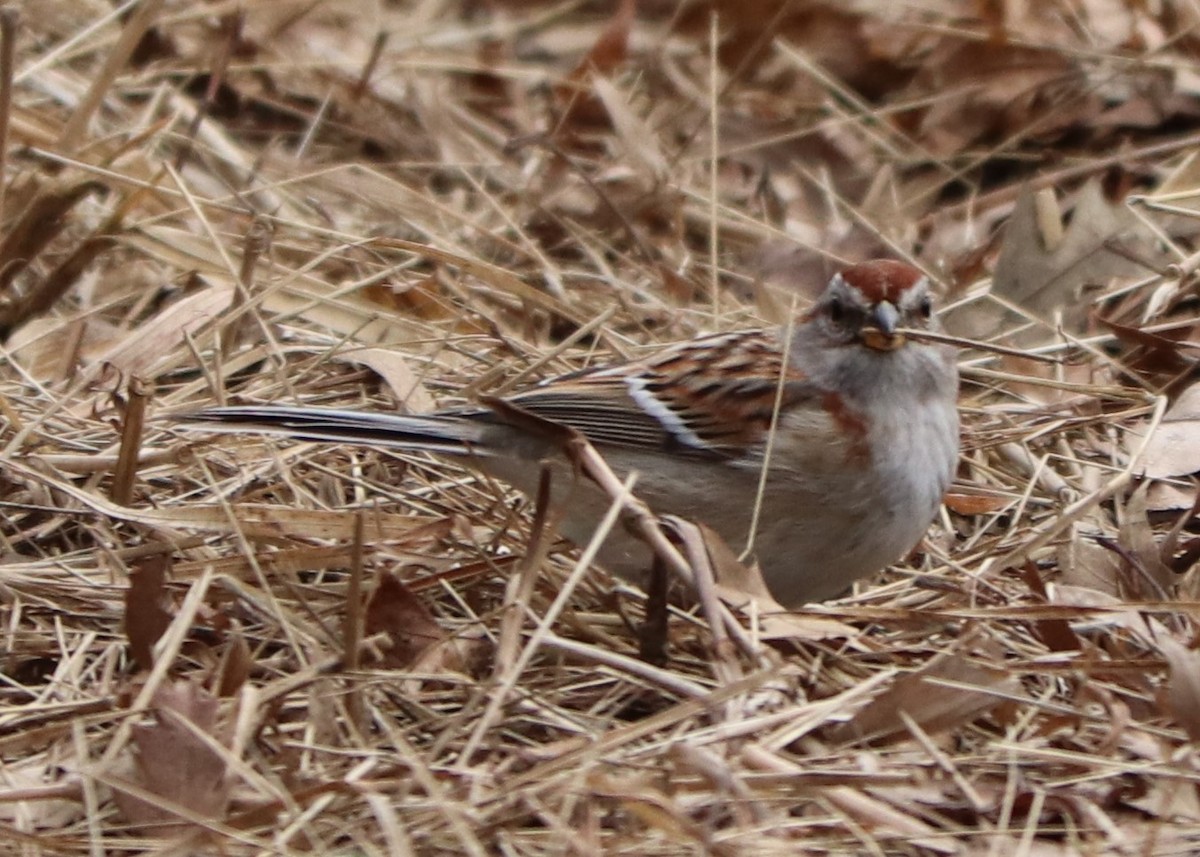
(131,441)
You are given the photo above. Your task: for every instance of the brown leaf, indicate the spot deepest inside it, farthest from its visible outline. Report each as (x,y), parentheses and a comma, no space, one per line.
(975,503)
(1084,564)
(987,90)
(1155,353)
(31,773)
(741,585)
(1183,684)
(1055,632)
(739,580)
(175,764)
(56,283)
(1174,448)
(832,34)
(394,609)
(1165,801)
(422,298)
(43,218)
(236,664)
(933,705)
(676,285)
(1047,274)
(392,366)
(1115,615)
(1167,497)
(582,106)
(1151,578)
(146,615)
(158,338)
(612,46)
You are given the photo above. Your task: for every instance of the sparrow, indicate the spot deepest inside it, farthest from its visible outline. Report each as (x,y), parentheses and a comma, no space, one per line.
(841,426)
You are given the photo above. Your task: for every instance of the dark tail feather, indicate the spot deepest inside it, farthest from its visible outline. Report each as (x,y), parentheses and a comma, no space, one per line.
(453,435)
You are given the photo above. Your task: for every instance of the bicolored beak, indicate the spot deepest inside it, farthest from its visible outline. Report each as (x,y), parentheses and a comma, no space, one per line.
(881,335)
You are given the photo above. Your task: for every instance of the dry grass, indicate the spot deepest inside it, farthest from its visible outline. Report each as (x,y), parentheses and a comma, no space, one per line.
(244,647)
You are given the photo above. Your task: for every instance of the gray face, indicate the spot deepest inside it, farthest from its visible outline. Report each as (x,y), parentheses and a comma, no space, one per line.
(854,340)
(845,315)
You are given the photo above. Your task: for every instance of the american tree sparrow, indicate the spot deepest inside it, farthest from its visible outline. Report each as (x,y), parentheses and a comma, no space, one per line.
(854,420)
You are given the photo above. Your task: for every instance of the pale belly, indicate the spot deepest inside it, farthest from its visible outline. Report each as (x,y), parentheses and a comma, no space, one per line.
(816,534)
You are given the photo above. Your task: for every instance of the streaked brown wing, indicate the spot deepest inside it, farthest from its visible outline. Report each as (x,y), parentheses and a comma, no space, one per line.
(601,409)
(713,397)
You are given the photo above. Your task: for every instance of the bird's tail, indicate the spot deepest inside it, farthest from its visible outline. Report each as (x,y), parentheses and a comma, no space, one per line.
(449,434)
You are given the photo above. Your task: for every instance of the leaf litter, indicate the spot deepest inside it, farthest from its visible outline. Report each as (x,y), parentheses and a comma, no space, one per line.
(284,648)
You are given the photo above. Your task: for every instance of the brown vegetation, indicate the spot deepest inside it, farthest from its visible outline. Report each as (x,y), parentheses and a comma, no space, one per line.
(245,647)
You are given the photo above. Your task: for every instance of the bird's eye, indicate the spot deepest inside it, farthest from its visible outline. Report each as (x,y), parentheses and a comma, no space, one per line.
(837,311)
(925,308)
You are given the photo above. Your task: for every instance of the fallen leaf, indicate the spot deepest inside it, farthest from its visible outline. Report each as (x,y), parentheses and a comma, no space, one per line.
(1048,277)
(1166,801)
(41,774)
(582,107)
(48,350)
(1056,632)
(1168,498)
(1102,610)
(1151,578)
(962,503)
(1085,564)
(47,213)
(395,609)
(172,762)
(1154,353)
(422,298)
(161,337)
(642,797)
(1183,684)
(146,615)
(392,366)
(612,45)
(975,689)
(1174,448)
(742,586)
(985,89)
(738,580)
(236,663)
